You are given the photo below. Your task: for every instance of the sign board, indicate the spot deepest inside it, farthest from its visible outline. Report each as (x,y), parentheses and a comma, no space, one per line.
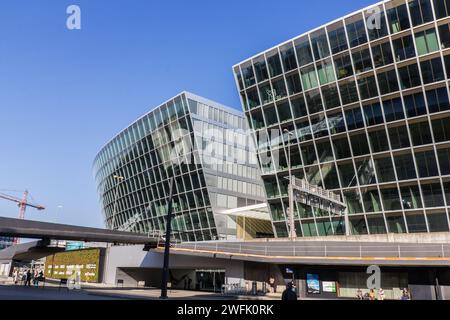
(290,271)
(64,265)
(329,286)
(313,283)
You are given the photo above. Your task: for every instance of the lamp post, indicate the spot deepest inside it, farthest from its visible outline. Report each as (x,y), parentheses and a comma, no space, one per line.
(119,179)
(165,274)
(292,233)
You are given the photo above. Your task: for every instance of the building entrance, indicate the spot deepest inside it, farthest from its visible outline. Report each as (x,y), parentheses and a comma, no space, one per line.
(210,280)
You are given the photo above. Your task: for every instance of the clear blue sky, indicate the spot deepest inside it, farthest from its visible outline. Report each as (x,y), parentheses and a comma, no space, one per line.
(63,93)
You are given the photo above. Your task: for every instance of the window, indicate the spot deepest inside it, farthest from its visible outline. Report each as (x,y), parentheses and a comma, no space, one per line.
(376,224)
(411,197)
(404,48)
(347,175)
(377,31)
(426,163)
(288,57)
(404,165)
(366,171)
(319,126)
(260,69)
(437,222)
(270,115)
(319,44)
(330,96)
(273,59)
(409,76)
(338,40)
(371,200)
(343,66)
(308,153)
(399,137)
(393,109)
(426,41)
(279,89)
(420,12)
(253,99)
(359,144)
(415,104)
(326,72)
(441,129)
(385,169)
(444,160)
(391,199)
(447,64)
(341,148)
(432,70)
(362,61)
(398,18)
(373,114)
(324,151)
(299,107)
(356,33)
(367,87)
(420,133)
(382,54)
(314,101)
(416,223)
(388,82)
(284,112)
(354,119)
(438,100)
(309,77)
(432,195)
(348,92)
(294,84)
(396,223)
(336,123)
(444,34)
(442,8)
(248,75)
(378,140)
(304,54)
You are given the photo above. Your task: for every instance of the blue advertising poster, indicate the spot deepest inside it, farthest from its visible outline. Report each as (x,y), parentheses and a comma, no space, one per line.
(313,283)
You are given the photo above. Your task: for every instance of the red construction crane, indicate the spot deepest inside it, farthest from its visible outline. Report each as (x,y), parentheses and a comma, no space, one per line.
(22,204)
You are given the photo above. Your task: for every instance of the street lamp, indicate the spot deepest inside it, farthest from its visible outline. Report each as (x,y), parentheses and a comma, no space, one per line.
(165,274)
(292,233)
(119,179)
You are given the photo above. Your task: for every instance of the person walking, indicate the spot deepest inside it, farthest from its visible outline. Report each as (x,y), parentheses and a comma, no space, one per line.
(28,278)
(289,293)
(16,276)
(405,295)
(372,294)
(359,295)
(381,295)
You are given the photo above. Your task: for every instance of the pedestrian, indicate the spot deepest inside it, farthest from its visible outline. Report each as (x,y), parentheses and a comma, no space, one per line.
(289,293)
(381,295)
(405,295)
(359,294)
(189,283)
(16,276)
(272,284)
(28,278)
(372,294)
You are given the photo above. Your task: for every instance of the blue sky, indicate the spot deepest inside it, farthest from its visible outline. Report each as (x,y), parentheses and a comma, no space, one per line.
(63,93)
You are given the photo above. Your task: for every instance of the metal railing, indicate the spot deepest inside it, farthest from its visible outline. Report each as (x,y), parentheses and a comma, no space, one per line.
(327,250)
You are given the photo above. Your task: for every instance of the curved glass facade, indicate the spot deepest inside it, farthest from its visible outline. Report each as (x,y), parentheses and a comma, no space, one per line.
(359,106)
(200,142)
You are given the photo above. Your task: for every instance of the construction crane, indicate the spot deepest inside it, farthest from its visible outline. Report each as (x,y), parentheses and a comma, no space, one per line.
(22,204)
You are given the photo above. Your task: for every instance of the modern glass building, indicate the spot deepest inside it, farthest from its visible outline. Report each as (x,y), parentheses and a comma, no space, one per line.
(359,106)
(206,146)
(6,242)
